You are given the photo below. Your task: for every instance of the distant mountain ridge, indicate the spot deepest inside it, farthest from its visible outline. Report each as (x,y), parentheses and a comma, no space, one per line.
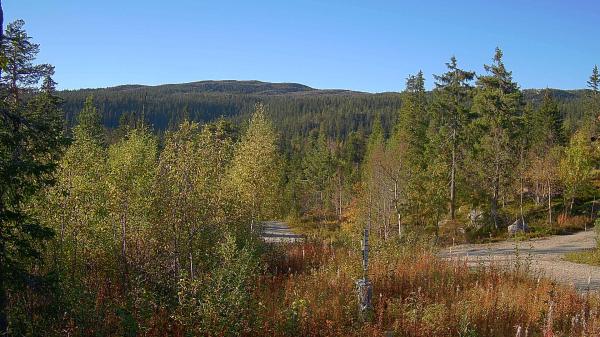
(234,87)
(296,109)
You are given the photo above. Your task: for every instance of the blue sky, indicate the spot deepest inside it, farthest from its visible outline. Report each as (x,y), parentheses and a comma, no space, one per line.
(366,45)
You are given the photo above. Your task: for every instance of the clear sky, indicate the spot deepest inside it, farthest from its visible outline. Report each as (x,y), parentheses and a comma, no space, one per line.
(366,45)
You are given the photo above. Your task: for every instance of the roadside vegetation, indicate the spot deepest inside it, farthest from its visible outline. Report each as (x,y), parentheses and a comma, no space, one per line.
(591,257)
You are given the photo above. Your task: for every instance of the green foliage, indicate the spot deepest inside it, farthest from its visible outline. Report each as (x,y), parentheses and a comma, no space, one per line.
(317,171)
(89,123)
(255,172)
(576,167)
(153,230)
(447,131)
(498,107)
(131,165)
(545,124)
(594,81)
(30,142)
(221,303)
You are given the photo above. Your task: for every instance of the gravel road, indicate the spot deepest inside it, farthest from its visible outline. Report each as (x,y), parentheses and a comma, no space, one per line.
(279,232)
(546,257)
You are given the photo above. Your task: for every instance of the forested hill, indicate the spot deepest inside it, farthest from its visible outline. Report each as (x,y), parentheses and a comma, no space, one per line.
(295,108)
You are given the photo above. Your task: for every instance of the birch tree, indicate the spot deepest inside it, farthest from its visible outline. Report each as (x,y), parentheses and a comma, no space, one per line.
(255,174)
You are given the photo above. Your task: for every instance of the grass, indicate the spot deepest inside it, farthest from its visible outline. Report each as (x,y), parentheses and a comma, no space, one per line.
(325,227)
(311,292)
(591,257)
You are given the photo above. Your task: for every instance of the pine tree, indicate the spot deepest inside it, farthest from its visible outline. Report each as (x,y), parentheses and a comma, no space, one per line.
(374,181)
(20,74)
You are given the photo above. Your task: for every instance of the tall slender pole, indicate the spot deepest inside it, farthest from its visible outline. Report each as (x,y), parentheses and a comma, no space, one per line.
(364,287)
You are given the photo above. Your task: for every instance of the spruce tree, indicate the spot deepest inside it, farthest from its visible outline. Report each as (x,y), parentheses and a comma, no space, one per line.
(30,143)
(498,108)
(412,119)
(407,146)
(89,123)
(594,81)
(450,118)
(546,124)
(593,103)
(318,170)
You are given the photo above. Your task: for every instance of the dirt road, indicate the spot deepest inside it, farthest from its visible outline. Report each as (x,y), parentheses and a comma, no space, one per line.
(545,256)
(279,232)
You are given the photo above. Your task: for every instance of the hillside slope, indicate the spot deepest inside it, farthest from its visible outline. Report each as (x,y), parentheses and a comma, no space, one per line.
(295,108)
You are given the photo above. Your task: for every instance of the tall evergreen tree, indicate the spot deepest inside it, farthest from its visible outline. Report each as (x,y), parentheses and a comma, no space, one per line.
(89,123)
(594,81)
(412,119)
(407,145)
(546,124)
(30,143)
(450,118)
(318,170)
(498,105)
(374,181)
(593,105)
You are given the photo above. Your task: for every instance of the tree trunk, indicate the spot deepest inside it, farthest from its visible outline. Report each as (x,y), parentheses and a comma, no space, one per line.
(521,200)
(340,188)
(397,208)
(385,219)
(496,193)
(453,178)
(3,284)
(549,203)
(124,250)
(191,265)
(494,206)
(571,205)
(3,306)
(592,211)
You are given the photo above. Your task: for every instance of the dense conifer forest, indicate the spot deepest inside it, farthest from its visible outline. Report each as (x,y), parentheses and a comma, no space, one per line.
(138,210)
(295,109)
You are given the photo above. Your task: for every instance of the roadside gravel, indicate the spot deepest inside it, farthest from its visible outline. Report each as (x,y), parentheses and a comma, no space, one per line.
(544,255)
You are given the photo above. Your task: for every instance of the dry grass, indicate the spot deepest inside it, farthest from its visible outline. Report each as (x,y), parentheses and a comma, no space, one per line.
(309,290)
(415,295)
